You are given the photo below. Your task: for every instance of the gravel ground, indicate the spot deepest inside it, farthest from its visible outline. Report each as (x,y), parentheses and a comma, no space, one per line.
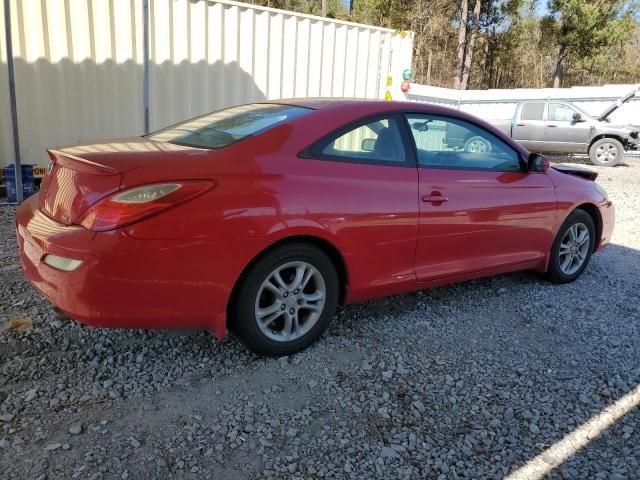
(465,381)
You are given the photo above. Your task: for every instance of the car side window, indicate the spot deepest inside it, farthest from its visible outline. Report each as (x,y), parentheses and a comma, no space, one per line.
(376,141)
(447,142)
(559,112)
(532,111)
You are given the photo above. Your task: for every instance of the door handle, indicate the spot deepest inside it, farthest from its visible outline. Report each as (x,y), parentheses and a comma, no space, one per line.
(435,197)
(520,125)
(552,126)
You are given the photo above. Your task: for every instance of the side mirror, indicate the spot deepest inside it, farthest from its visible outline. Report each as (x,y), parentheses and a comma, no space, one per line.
(421,126)
(368,145)
(537,163)
(577,117)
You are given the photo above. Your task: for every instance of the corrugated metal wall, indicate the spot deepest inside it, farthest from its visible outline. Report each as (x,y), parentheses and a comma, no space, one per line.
(79,64)
(432,139)
(208,55)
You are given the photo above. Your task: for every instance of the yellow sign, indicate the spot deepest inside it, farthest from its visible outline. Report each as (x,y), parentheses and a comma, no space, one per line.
(389,81)
(37,171)
(387,96)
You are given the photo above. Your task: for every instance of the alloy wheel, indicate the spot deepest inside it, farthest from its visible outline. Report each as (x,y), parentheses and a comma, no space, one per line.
(574,248)
(290,301)
(607,152)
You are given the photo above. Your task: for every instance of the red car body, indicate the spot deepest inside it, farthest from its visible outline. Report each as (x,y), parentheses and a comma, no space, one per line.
(387,228)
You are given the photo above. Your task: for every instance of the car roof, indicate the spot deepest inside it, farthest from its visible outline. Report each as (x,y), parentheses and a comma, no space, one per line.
(332,108)
(367,105)
(319,103)
(325,102)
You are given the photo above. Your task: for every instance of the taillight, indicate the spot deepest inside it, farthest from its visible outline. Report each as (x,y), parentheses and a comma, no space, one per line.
(135,204)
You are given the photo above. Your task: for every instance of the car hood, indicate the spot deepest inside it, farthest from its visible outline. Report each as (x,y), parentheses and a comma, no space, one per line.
(617,104)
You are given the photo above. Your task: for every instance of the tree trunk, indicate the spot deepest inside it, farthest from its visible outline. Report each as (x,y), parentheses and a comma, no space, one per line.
(485,46)
(485,59)
(468,56)
(462,40)
(429,61)
(558,74)
(324,8)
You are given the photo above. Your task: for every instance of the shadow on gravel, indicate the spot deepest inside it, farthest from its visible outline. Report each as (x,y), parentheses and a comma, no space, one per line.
(551,458)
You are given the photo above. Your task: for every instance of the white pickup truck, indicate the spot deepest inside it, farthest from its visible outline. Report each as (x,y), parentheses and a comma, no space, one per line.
(557,126)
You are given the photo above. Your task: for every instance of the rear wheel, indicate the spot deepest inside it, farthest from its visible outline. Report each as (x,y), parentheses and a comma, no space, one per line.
(286,300)
(572,248)
(606,152)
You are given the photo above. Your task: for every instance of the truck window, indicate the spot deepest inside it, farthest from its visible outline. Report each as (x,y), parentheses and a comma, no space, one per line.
(532,111)
(559,112)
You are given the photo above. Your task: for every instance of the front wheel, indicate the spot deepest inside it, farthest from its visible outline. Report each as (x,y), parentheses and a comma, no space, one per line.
(572,248)
(286,300)
(606,152)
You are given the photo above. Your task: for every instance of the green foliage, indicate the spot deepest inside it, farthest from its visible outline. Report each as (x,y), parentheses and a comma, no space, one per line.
(335,8)
(584,26)
(582,29)
(384,13)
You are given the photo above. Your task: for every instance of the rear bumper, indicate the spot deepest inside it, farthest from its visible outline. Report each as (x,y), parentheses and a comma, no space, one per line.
(126,282)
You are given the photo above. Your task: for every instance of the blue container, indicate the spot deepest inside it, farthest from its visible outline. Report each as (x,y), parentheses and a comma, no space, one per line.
(28,186)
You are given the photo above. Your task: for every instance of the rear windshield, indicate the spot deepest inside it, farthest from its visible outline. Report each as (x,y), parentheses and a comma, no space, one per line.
(224,127)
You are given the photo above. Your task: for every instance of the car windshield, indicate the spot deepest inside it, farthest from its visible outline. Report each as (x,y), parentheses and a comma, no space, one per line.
(224,127)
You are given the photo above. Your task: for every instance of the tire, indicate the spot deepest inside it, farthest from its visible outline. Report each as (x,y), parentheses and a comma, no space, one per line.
(477,144)
(264,302)
(606,152)
(568,260)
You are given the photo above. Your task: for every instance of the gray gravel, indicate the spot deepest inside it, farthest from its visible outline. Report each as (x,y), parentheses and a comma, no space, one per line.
(464,381)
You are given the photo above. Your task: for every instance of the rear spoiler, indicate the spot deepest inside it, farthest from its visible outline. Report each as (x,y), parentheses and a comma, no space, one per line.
(77,163)
(577,172)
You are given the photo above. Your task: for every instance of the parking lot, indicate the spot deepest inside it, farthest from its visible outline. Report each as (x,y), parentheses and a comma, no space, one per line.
(465,381)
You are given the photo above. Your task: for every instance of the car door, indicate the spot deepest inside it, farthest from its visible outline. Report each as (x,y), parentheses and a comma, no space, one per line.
(479,208)
(364,188)
(562,132)
(528,125)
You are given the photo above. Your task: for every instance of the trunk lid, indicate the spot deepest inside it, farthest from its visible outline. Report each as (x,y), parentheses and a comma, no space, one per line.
(81,175)
(73,185)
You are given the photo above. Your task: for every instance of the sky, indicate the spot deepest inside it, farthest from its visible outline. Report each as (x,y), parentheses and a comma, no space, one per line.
(541,7)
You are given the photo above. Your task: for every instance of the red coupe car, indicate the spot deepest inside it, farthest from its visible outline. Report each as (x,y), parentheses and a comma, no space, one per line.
(262,218)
